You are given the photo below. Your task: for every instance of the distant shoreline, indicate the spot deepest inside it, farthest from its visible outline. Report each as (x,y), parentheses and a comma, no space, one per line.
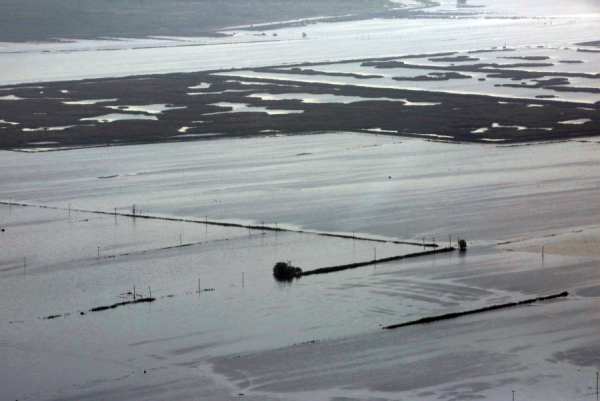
(38,20)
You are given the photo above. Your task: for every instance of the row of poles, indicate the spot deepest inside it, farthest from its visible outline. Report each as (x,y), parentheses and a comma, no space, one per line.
(597,376)
(249,233)
(134,214)
(134,293)
(200,284)
(243,278)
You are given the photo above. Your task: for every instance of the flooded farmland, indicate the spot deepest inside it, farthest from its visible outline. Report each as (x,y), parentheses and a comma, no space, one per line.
(139,266)
(185,332)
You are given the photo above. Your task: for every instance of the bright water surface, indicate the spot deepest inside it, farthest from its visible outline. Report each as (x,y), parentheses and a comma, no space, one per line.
(578,22)
(341,185)
(374,185)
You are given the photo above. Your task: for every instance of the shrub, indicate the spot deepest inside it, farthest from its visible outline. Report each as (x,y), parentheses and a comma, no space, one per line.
(285,271)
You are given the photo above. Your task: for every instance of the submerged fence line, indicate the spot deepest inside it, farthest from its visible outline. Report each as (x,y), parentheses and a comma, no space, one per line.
(222,224)
(102,308)
(162,249)
(447,316)
(333,269)
(113,306)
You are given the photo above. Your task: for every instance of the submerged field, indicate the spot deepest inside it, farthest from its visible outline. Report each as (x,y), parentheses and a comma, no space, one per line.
(188,342)
(362,140)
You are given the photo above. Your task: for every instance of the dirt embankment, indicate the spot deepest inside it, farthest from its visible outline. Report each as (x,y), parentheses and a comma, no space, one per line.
(448,316)
(334,269)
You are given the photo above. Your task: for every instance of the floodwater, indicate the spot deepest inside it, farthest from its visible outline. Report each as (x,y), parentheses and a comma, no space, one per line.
(93,101)
(107,118)
(22,63)
(245,108)
(48,128)
(150,108)
(10,97)
(397,188)
(305,182)
(478,83)
(318,337)
(315,98)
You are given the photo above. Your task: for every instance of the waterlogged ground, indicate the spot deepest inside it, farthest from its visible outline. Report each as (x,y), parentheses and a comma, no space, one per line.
(244,334)
(478,73)
(514,23)
(456,60)
(405,189)
(319,337)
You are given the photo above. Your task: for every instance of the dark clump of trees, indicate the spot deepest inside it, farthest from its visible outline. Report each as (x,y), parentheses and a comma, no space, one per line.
(285,271)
